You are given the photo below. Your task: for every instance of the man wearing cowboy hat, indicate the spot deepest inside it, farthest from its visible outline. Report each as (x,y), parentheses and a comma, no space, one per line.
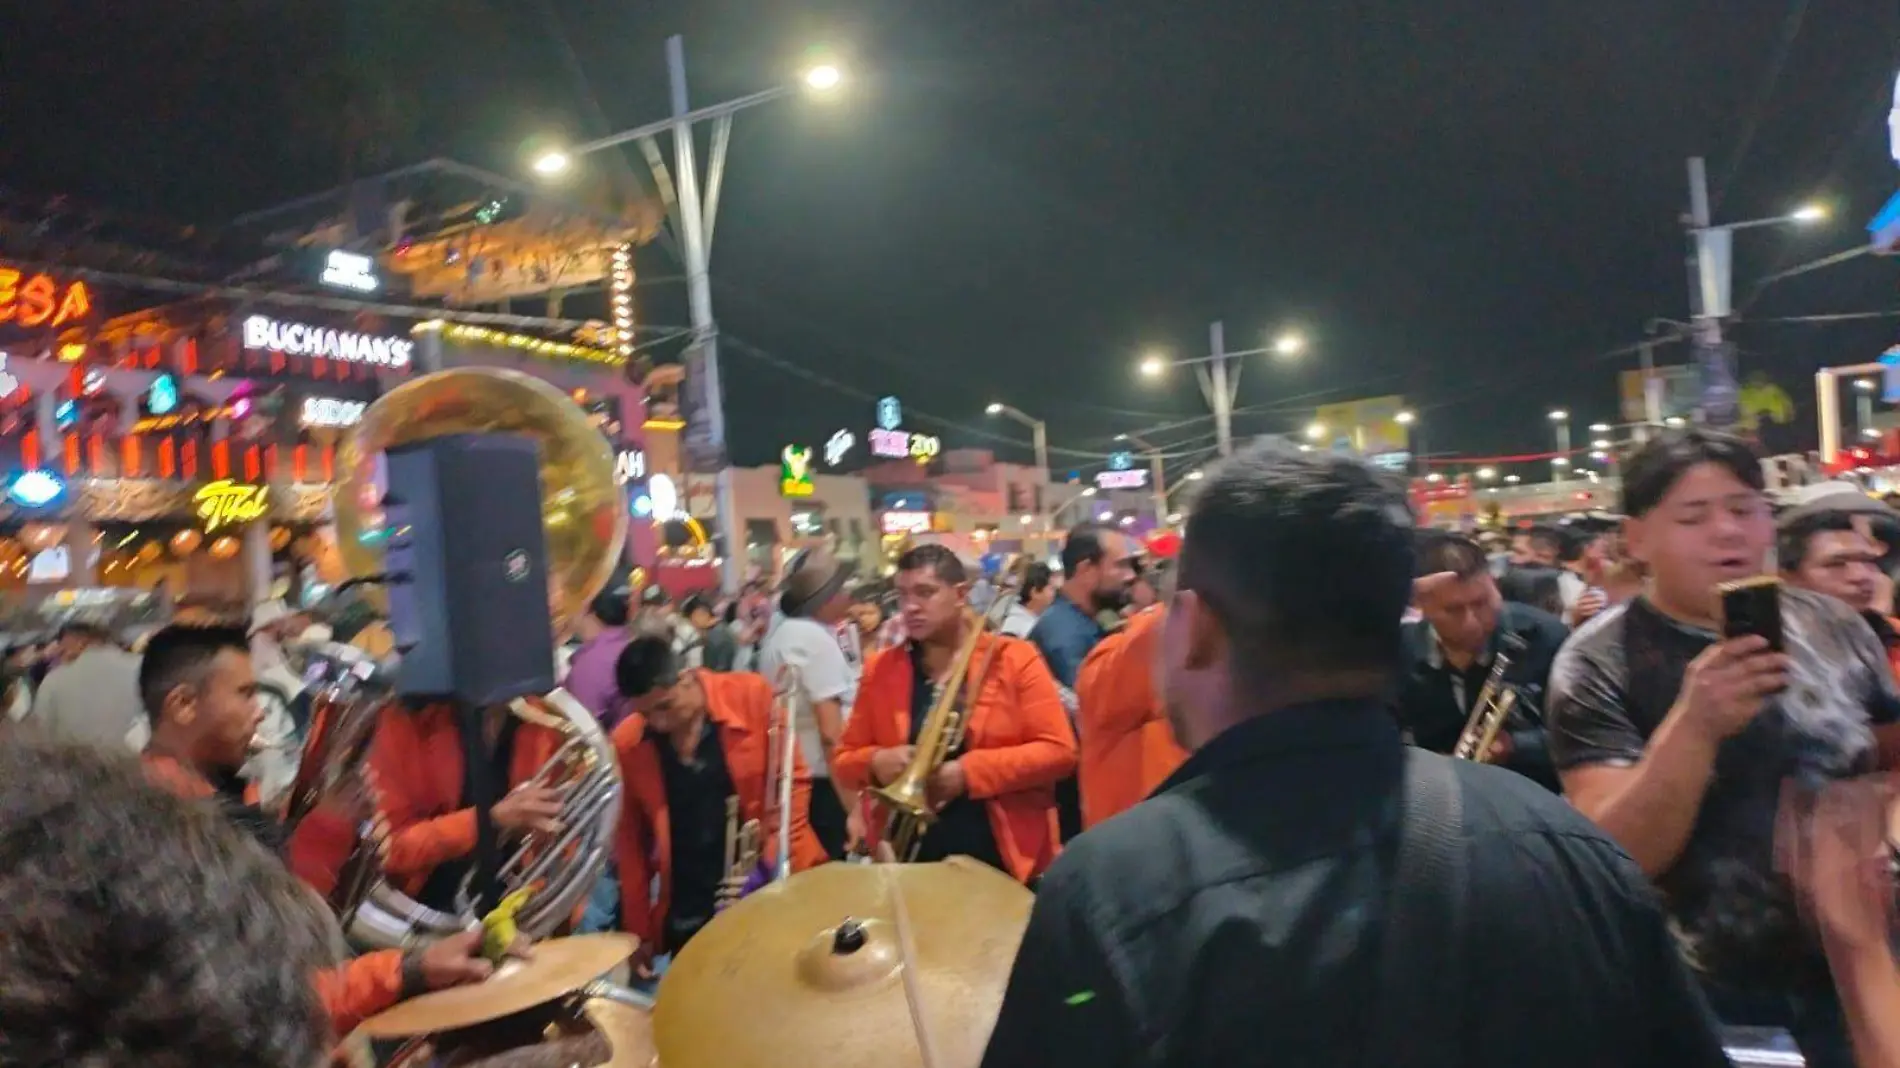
(813,603)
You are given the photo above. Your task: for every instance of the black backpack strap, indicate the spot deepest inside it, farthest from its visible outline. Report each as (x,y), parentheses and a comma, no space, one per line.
(1421,999)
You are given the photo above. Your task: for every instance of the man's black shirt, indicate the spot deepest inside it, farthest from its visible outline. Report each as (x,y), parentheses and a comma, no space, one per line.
(962,827)
(696,793)
(1436,699)
(1235,918)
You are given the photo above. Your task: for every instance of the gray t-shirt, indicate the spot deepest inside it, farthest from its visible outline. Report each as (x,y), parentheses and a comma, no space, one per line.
(824,674)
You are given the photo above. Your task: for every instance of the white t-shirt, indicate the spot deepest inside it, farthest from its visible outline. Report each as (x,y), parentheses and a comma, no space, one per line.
(812,649)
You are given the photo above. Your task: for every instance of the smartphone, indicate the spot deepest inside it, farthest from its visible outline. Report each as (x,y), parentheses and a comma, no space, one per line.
(1753,606)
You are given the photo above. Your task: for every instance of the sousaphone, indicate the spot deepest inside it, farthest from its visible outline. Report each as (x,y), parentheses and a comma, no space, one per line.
(585,516)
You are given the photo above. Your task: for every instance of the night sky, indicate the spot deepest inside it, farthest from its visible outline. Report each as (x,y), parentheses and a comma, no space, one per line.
(1464,201)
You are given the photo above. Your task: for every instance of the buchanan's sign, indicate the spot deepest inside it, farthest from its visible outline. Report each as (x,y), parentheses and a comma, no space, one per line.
(301,339)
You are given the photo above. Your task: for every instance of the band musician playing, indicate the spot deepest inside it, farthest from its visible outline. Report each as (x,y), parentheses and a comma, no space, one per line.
(1128,746)
(995,797)
(1452,653)
(696,740)
(200,691)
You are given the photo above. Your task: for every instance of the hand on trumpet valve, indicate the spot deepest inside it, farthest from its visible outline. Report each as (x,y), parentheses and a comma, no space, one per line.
(1500,749)
(945,784)
(888,764)
(529,809)
(854,830)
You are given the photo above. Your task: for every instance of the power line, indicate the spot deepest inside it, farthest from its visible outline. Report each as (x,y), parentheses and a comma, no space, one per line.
(1790,30)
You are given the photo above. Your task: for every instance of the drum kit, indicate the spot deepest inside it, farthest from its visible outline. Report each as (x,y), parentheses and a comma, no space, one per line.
(847,965)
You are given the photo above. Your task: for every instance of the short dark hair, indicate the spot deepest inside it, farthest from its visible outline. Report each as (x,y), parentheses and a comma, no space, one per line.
(178,655)
(1791,541)
(698,602)
(938,559)
(1036,578)
(648,663)
(1538,586)
(1307,558)
(142,929)
(1544,538)
(1084,545)
(612,606)
(1658,466)
(1439,551)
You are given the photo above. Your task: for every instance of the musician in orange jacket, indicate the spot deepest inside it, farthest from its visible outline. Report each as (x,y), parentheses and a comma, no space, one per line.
(995,795)
(695,740)
(1128,747)
(200,690)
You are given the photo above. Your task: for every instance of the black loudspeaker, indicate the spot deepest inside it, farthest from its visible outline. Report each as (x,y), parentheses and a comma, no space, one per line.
(468,569)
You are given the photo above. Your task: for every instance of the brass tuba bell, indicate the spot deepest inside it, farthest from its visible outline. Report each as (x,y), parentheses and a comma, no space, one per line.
(585,517)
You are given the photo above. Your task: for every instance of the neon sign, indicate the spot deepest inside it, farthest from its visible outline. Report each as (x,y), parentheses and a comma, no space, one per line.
(904,445)
(630,465)
(331,412)
(162,399)
(906,522)
(301,339)
(347,270)
(1114,480)
(839,447)
(36,489)
(9,385)
(226,503)
(794,472)
(39,300)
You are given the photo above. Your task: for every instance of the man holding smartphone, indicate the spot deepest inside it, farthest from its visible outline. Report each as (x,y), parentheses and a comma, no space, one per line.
(1680,742)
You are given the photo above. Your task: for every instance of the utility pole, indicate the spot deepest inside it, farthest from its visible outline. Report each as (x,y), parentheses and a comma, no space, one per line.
(1220,394)
(693,239)
(1160,487)
(1709,292)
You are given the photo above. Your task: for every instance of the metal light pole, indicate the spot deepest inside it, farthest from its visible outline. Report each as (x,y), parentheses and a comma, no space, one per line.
(1039,436)
(1218,373)
(698,212)
(1561,418)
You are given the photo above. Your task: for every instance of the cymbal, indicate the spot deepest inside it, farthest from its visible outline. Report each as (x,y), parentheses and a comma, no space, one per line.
(629,1031)
(811,970)
(559,966)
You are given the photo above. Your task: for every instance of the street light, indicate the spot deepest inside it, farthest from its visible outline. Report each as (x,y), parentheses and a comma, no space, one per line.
(1559,415)
(1316,431)
(1405,418)
(1039,438)
(698,212)
(1675,422)
(1600,443)
(1513,479)
(1486,474)
(1195,476)
(1600,428)
(1809,213)
(1218,374)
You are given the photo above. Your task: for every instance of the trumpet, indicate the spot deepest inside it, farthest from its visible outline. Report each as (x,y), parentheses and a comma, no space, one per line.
(743,849)
(1495,703)
(943,730)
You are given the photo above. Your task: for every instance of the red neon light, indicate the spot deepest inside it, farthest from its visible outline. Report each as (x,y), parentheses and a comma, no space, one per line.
(221,459)
(167,458)
(39,300)
(70,454)
(30,449)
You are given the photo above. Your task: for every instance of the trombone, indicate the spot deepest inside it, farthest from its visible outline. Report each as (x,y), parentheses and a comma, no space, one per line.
(745,839)
(943,730)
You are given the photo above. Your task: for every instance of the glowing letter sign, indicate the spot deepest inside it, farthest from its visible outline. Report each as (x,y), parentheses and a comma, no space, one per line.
(225,503)
(38,300)
(331,412)
(838,448)
(300,339)
(906,522)
(347,270)
(630,465)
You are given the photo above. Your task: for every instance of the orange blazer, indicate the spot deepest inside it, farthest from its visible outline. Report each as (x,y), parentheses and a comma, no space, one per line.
(1128,748)
(351,992)
(739,707)
(1018,745)
(417,761)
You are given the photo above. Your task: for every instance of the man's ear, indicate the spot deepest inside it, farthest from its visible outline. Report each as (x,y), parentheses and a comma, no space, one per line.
(181,705)
(1207,640)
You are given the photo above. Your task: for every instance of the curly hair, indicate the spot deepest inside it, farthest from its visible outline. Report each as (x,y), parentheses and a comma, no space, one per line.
(142,929)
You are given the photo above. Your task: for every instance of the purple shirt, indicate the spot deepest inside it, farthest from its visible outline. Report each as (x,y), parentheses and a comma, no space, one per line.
(590,676)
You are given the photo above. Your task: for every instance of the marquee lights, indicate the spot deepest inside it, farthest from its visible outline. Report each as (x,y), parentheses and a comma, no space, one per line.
(226,503)
(622,293)
(534,346)
(301,339)
(41,300)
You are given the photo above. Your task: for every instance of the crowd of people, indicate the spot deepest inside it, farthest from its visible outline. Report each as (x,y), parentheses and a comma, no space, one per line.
(1234,795)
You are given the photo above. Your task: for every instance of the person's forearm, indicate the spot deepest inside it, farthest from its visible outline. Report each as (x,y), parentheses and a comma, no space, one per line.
(1869,983)
(1653,812)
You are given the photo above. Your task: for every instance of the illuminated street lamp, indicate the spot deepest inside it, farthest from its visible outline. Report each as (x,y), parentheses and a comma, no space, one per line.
(1038,433)
(1195,476)
(1405,418)
(1486,474)
(1513,479)
(1316,431)
(1600,428)
(1218,374)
